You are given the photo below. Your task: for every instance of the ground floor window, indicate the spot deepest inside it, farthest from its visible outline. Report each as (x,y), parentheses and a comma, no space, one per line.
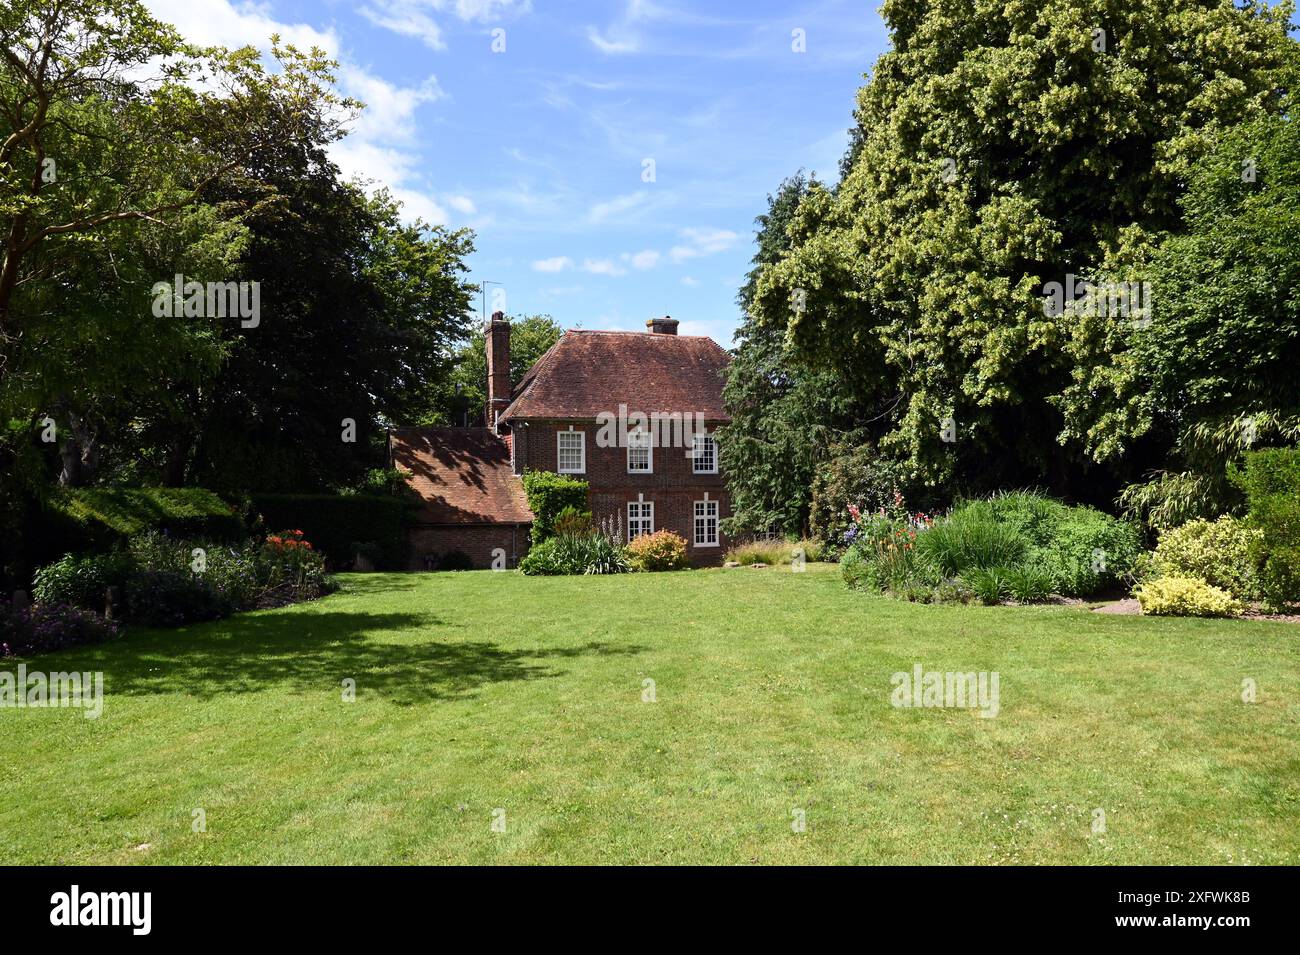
(706,523)
(640,518)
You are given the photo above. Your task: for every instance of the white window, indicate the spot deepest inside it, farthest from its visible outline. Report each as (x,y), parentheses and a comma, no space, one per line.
(706,523)
(640,453)
(571,456)
(640,518)
(704,453)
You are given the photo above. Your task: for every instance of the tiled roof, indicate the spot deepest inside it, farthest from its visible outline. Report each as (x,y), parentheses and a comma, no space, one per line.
(585,373)
(463,475)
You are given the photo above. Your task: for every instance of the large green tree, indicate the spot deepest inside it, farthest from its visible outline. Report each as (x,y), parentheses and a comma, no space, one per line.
(1001,147)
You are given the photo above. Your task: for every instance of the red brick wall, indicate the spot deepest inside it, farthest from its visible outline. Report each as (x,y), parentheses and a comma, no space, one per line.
(673,486)
(476,540)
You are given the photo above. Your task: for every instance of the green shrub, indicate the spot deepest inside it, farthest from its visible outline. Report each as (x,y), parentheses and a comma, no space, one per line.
(966,541)
(858,568)
(82,580)
(566,555)
(77,520)
(1089,552)
(340,525)
(858,475)
(1220,552)
(574,521)
(1186,597)
(1271,482)
(991,585)
(1028,584)
(549,494)
(662,550)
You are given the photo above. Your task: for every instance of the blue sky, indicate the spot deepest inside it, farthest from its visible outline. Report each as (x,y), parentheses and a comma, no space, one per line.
(545,147)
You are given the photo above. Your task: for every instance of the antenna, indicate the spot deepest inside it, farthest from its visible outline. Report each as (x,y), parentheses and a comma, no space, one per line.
(482,289)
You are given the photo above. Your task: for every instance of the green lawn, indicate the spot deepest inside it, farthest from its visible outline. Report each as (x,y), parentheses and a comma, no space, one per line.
(479,691)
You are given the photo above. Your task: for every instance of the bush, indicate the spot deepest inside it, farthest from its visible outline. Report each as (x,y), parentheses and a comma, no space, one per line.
(575,522)
(662,550)
(549,494)
(1089,552)
(45,628)
(1220,552)
(858,476)
(77,520)
(341,524)
(291,569)
(991,585)
(1186,597)
(1271,482)
(82,580)
(592,554)
(168,598)
(1029,584)
(858,568)
(966,541)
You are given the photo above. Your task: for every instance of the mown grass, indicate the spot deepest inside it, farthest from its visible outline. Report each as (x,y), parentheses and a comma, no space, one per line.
(481,691)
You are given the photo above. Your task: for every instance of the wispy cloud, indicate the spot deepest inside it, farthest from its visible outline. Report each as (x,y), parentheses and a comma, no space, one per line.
(413,17)
(603,267)
(555,264)
(700,242)
(612,207)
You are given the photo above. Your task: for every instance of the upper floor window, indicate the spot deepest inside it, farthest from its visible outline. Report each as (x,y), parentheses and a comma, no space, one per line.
(704,454)
(640,453)
(571,452)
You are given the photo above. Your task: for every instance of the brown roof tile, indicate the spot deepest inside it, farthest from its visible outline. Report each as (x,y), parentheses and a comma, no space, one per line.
(463,475)
(585,373)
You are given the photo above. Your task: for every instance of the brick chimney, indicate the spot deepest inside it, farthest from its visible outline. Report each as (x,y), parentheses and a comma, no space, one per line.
(498,367)
(662,326)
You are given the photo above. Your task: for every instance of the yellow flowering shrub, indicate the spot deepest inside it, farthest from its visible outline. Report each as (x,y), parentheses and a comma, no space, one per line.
(1186,597)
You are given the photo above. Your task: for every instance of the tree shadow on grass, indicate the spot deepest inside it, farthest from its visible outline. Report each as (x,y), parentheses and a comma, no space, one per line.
(309,653)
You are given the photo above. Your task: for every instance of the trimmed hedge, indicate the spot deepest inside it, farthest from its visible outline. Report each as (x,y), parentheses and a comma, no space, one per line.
(77,520)
(1271,482)
(340,525)
(548,494)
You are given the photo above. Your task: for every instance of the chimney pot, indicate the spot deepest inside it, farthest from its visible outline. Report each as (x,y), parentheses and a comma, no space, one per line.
(662,326)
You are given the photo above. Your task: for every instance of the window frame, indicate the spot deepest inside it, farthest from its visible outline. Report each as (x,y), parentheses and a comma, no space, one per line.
(581,449)
(646,512)
(696,517)
(649,449)
(696,441)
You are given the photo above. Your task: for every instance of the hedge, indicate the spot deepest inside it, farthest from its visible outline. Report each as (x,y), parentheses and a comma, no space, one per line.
(548,494)
(341,525)
(76,520)
(1271,482)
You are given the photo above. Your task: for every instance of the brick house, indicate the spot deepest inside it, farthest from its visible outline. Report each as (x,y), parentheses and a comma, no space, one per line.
(631,413)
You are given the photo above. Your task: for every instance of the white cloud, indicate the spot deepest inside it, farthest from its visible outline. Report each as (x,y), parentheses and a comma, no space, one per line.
(619,204)
(603,267)
(556,264)
(701,242)
(689,281)
(462,204)
(629,44)
(236,24)
(645,259)
(412,17)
